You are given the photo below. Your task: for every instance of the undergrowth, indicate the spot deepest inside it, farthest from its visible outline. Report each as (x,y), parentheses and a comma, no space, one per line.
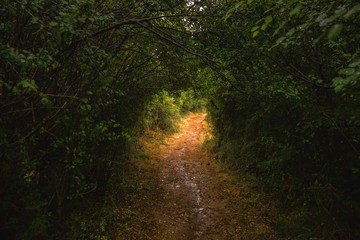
(164,110)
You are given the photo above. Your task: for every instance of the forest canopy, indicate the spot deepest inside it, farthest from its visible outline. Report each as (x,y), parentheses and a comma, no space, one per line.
(81,79)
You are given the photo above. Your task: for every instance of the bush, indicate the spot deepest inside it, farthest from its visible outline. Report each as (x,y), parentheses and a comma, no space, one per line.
(164,110)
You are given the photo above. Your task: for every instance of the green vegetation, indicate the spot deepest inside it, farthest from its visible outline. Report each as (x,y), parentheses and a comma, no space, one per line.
(289,111)
(79,78)
(163,111)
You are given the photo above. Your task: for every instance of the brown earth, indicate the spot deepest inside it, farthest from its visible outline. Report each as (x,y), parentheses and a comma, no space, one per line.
(186,195)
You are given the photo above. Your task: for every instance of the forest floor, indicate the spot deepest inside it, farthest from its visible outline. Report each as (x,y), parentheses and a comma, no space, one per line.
(184,193)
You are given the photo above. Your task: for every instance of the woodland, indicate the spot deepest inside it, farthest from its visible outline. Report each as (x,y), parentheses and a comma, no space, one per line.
(80,80)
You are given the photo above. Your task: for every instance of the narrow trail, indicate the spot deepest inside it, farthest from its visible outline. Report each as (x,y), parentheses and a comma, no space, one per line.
(187,196)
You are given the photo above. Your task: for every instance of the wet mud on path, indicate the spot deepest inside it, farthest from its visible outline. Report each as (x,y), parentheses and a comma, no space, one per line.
(187,196)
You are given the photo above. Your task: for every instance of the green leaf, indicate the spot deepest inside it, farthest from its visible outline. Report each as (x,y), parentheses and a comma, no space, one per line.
(268,19)
(28,85)
(355,63)
(264,26)
(338,84)
(353,78)
(291,32)
(231,11)
(296,10)
(34,19)
(280,40)
(347,71)
(255,33)
(45,101)
(352,11)
(255,28)
(335,31)
(337,80)
(279,28)
(53,24)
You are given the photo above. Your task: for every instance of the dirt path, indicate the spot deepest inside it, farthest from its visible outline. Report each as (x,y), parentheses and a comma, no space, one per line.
(186,195)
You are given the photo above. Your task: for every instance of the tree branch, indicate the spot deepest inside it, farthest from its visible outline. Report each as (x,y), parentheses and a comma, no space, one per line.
(114,26)
(301,75)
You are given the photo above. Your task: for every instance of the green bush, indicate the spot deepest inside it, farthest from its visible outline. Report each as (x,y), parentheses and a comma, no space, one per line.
(164,110)
(161,112)
(188,101)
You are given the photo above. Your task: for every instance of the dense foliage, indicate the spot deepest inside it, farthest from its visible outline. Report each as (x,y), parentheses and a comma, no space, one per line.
(163,111)
(74,77)
(290,109)
(78,78)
